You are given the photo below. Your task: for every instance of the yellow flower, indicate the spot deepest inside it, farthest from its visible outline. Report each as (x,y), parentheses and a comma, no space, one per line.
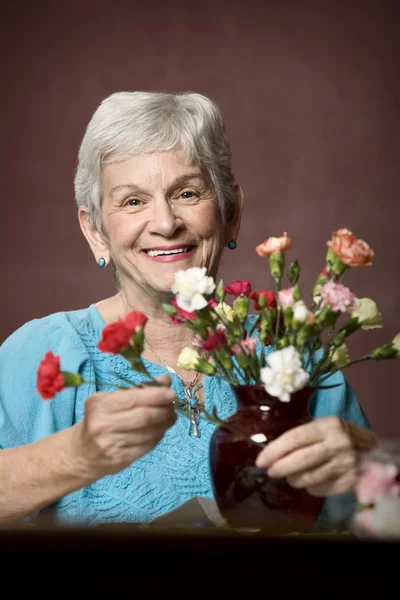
(188,359)
(225,311)
(396,343)
(367,313)
(340,357)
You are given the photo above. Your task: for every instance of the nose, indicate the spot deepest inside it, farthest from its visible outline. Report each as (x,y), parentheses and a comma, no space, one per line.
(163,220)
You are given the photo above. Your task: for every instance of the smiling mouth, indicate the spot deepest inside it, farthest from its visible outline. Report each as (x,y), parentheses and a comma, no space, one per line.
(181,250)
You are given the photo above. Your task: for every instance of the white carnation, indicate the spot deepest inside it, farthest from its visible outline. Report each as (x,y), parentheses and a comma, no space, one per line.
(300,311)
(285,374)
(386,517)
(190,287)
(340,357)
(367,313)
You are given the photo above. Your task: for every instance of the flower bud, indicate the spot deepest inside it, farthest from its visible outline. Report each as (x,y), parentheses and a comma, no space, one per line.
(288,316)
(384,352)
(305,335)
(293,272)
(205,367)
(262,301)
(339,339)
(350,326)
(267,318)
(296,293)
(220,292)
(241,307)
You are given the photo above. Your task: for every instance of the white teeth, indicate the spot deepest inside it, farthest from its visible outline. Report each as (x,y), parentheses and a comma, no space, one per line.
(162,252)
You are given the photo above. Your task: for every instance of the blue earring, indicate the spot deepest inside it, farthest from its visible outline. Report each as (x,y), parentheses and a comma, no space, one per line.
(232,244)
(102,262)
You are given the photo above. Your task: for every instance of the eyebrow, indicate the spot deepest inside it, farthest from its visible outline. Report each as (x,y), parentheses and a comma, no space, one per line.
(132,187)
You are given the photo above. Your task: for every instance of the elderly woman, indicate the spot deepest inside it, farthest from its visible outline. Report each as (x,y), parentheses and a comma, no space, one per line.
(155,194)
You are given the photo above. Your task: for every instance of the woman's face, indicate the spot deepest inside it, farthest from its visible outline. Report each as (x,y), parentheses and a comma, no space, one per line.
(160,216)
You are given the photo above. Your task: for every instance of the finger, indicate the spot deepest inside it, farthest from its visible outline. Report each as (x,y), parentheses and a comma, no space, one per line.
(334,487)
(327,475)
(291,440)
(301,460)
(123,400)
(143,418)
(145,437)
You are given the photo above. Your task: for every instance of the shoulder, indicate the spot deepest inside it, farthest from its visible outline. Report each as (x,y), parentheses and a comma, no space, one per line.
(24,416)
(69,332)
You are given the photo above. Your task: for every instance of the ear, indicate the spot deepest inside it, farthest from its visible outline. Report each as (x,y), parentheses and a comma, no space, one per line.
(233,226)
(95,240)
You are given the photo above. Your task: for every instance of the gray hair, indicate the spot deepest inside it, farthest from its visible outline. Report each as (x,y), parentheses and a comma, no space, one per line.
(130,123)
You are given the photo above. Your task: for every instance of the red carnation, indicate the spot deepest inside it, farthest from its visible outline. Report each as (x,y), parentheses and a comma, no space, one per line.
(238,287)
(216,339)
(116,336)
(270,299)
(134,320)
(50,379)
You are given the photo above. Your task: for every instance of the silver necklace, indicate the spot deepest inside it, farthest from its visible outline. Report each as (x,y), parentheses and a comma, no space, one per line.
(191,402)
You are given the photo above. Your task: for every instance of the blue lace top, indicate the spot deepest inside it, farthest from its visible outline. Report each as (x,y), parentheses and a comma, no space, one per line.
(175,471)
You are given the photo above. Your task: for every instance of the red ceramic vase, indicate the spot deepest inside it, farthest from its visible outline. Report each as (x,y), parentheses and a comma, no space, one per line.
(245,495)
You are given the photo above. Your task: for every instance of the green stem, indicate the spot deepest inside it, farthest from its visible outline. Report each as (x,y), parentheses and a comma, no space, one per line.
(226,376)
(278,311)
(317,367)
(353,362)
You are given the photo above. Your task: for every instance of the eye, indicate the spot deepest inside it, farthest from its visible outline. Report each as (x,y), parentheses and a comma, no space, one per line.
(188,195)
(133,202)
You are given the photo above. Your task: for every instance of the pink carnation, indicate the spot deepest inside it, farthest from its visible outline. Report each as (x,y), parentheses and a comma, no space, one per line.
(246,347)
(377,480)
(286,298)
(336,295)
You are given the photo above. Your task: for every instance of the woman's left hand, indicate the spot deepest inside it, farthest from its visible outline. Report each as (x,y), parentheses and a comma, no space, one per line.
(319,456)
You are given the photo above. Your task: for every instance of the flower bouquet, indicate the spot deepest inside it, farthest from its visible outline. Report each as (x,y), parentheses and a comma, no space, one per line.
(306,340)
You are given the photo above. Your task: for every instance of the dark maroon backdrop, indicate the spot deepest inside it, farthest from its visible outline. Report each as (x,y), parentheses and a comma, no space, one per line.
(310,95)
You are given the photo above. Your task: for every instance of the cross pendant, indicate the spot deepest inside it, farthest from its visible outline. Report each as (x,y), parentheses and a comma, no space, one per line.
(192,408)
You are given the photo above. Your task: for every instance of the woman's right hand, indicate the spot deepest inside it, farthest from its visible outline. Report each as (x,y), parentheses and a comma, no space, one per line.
(120,427)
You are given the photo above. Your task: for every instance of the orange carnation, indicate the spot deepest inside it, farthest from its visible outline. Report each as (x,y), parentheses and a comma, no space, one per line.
(351,251)
(273,245)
